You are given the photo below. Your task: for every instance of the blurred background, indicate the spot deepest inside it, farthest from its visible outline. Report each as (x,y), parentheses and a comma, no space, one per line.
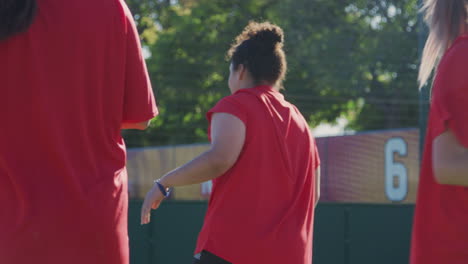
(352,71)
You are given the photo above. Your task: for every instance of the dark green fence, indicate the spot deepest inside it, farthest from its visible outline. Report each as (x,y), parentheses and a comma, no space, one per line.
(344,233)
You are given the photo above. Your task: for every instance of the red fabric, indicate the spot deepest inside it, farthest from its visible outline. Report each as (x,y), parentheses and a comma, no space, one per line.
(262,209)
(440,231)
(67,85)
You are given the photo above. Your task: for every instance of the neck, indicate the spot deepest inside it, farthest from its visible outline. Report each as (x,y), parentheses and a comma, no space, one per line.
(247,84)
(463,29)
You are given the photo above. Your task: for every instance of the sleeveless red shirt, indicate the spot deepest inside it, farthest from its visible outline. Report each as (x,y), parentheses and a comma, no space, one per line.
(262,209)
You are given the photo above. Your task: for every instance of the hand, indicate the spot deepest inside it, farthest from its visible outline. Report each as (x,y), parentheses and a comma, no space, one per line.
(153,199)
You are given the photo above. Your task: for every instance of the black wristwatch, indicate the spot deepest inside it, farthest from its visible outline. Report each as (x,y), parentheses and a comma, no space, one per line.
(165,191)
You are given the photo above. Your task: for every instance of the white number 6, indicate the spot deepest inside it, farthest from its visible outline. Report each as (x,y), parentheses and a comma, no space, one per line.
(395,192)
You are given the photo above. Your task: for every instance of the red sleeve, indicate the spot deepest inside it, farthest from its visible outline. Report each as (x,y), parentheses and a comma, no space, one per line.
(229,105)
(452,84)
(139,102)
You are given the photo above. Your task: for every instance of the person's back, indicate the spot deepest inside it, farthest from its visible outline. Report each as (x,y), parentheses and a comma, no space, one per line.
(263,161)
(68,85)
(265,202)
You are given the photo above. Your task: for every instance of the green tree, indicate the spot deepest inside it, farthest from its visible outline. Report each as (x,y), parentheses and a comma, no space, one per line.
(188,66)
(353,58)
(346,58)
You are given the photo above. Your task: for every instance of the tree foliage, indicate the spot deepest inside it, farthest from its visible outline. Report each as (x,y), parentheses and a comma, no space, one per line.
(356,59)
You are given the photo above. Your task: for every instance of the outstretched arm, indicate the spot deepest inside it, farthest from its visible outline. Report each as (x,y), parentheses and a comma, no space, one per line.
(228,136)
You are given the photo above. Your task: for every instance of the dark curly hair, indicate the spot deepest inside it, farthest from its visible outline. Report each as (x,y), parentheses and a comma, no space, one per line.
(260,49)
(16,16)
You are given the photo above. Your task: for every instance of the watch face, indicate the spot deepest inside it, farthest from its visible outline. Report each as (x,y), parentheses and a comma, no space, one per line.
(165,191)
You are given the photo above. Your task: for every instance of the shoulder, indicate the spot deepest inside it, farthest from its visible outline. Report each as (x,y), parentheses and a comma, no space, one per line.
(452,73)
(240,99)
(456,58)
(460,47)
(243,96)
(235,104)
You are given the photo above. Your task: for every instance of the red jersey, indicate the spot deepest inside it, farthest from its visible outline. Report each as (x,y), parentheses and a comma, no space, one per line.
(67,85)
(262,209)
(440,231)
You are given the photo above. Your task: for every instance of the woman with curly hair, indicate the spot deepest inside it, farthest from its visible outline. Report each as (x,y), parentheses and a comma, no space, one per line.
(263,161)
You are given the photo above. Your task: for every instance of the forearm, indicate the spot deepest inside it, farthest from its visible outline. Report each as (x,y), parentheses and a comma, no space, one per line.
(203,168)
(455,171)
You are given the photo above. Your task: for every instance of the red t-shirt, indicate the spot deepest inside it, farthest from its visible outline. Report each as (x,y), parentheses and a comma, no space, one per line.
(440,231)
(67,85)
(262,209)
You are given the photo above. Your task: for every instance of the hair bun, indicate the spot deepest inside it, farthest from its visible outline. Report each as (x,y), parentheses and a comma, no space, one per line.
(265,34)
(260,49)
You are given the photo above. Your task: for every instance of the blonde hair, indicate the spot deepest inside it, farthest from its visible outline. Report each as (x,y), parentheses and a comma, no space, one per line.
(445,18)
